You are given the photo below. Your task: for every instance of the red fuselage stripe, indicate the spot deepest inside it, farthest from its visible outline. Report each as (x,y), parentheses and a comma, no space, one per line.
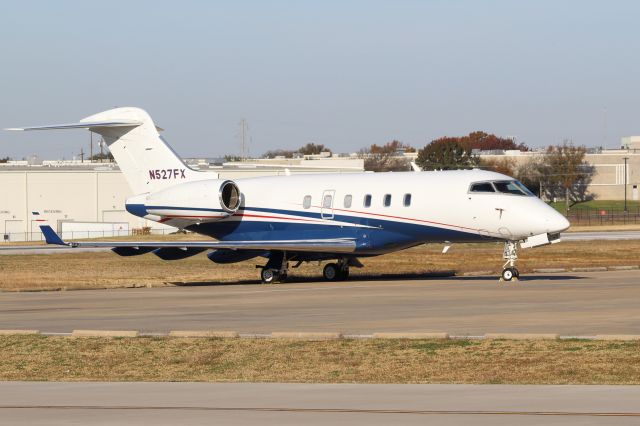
(169,217)
(402,218)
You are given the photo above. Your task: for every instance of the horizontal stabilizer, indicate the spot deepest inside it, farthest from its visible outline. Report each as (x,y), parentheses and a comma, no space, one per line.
(82,125)
(335,245)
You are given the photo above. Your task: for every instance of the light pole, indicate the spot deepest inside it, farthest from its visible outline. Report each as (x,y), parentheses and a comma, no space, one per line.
(625,183)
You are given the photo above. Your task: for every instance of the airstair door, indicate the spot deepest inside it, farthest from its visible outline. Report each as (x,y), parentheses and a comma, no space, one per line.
(326,211)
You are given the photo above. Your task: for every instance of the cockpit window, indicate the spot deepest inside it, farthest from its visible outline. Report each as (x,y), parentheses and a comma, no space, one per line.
(512,187)
(482,187)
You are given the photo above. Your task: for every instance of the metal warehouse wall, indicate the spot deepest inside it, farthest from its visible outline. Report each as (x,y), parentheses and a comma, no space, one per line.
(83,196)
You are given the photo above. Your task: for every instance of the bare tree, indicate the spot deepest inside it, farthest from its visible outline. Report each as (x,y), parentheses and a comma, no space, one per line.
(565,173)
(313,149)
(386,158)
(506,166)
(279,153)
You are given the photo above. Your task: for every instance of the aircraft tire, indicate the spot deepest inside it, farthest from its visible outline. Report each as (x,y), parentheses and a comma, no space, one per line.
(331,272)
(269,276)
(508,274)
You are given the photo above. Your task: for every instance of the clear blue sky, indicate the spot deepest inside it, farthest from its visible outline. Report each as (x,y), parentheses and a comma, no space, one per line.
(342,73)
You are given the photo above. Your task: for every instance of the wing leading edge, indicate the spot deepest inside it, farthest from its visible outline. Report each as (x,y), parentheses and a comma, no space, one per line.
(339,245)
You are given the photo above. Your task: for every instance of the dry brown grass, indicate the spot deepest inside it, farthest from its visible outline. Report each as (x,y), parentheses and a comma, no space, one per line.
(103,270)
(344,361)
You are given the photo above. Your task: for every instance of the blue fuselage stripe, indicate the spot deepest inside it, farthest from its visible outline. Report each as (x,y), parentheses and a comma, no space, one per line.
(375,235)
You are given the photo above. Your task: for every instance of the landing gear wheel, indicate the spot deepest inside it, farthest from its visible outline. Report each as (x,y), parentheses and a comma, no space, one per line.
(343,274)
(509,273)
(331,272)
(282,278)
(516,273)
(269,276)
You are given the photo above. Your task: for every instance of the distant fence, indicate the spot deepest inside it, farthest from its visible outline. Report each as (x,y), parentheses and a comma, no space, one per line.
(603,216)
(71,235)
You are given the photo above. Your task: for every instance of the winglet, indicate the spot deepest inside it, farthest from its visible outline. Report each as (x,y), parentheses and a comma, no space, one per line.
(51,237)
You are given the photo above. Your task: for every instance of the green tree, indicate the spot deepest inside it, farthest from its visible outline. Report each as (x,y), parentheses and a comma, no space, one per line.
(5,160)
(446,154)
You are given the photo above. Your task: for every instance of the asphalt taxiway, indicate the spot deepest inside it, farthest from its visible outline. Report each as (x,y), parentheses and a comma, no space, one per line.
(571,304)
(33,403)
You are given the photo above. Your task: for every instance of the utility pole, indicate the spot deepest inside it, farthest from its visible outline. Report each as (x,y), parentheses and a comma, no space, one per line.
(604,127)
(244,135)
(625,183)
(91,146)
(81,155)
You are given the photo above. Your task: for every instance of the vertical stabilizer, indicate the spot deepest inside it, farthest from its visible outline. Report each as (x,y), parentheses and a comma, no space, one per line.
(148,163)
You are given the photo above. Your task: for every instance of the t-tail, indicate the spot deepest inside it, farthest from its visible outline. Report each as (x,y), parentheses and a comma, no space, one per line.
(146,160)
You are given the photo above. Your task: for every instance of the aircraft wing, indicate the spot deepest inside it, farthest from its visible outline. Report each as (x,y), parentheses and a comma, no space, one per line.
(336,245)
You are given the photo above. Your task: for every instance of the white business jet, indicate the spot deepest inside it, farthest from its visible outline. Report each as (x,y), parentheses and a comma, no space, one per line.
(316,217)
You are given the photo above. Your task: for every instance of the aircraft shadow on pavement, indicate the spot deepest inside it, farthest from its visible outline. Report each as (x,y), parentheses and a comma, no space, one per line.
(439,275)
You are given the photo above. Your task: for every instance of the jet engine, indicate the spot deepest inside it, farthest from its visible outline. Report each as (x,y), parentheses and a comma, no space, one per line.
(199,201)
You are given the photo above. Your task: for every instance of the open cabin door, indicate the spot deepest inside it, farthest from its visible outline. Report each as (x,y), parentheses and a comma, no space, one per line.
(326,211)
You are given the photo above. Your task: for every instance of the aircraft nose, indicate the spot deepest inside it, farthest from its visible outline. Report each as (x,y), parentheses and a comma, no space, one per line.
(558,223)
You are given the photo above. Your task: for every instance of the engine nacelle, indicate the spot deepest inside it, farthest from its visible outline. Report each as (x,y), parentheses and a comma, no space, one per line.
(199,201)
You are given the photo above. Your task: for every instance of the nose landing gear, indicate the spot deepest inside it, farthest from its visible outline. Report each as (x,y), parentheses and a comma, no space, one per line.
(510,254)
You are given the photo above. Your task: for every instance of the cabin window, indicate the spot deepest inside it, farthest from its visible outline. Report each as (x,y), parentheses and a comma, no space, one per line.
(367,200)
(347,201)
(327,201)
(387,200)
(482,187)
(407,200)
(306,203)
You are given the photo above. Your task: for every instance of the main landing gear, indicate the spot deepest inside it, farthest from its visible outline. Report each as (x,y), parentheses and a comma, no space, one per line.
(336,271)
(277,269)
(268,276)
(510,254)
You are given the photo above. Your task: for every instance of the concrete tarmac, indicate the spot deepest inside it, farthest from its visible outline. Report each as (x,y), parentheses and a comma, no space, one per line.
(34,403)
(571,303)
